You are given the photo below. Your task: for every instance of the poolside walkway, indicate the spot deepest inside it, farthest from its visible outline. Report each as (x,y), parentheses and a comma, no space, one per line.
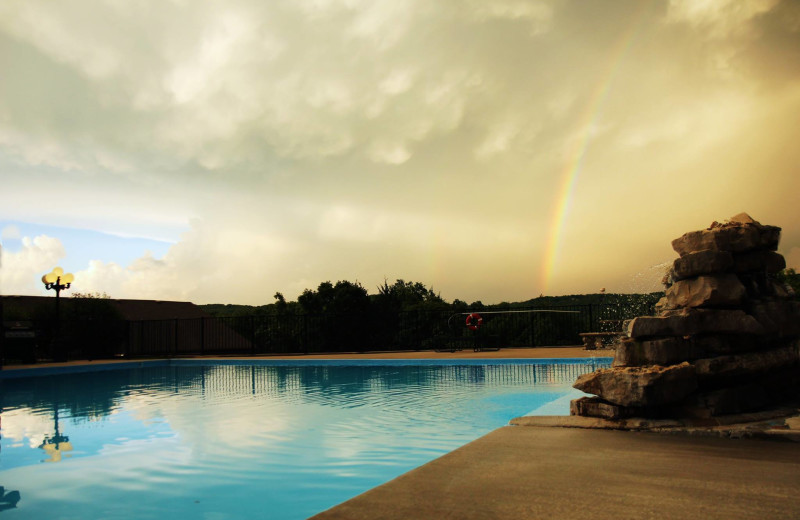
(526,472)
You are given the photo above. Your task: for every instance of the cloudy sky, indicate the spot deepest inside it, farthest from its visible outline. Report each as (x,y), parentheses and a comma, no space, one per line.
(221,151)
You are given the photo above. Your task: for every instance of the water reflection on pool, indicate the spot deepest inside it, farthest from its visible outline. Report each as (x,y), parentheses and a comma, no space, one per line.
(194,440)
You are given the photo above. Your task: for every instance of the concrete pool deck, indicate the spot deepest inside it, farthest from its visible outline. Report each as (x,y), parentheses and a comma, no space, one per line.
(506,353)
(534,472)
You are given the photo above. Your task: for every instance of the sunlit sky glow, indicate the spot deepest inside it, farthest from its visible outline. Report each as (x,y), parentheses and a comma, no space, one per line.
(492,149)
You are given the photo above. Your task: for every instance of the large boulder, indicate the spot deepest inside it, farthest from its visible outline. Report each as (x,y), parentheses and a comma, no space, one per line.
(663,351)
(596,407)
(688,322)
(760,285)
(701,262)
(739,234)
(640,386)
(713,345)
(779,318)
(768,261)
(775,388)
(730,400)
(750,364)
(673,350)
(720,290)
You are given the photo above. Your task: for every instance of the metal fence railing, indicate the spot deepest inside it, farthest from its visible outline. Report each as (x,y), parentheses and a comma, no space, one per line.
(310,333)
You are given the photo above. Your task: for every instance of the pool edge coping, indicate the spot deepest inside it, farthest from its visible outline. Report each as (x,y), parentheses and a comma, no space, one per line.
(102,366)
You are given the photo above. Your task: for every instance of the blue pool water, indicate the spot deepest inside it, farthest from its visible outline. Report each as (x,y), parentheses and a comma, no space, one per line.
(190,439)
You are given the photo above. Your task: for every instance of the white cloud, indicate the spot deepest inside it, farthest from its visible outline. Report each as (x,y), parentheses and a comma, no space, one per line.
(208,261)
(21,271)
(719,18)
(397,82)
(52,29)
(561,102)
(389,153)
(675,127)
(498,140)
(223,88)
(707,122)
(537,14)
(24,149)
(203,71)
(727,28)
(382,23)
(100,277)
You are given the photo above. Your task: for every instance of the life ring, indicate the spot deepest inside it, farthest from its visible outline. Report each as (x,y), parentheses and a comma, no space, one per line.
(474,321)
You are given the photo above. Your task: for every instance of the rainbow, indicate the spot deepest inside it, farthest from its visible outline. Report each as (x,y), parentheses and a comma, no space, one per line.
(572,167)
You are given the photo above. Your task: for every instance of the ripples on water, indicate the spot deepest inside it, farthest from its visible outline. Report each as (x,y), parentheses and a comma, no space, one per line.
(246,441)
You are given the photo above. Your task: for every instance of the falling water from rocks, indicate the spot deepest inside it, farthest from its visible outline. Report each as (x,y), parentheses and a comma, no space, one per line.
(649,280)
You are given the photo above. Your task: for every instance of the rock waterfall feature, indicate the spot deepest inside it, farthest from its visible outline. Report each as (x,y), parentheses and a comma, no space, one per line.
(725,338)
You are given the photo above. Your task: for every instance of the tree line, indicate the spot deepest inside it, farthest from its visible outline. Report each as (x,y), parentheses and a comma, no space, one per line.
(345,297)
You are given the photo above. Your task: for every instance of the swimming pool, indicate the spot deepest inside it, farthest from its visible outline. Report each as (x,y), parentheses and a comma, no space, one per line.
(278,440)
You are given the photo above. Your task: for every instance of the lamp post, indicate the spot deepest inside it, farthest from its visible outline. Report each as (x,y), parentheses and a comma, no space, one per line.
(58,281)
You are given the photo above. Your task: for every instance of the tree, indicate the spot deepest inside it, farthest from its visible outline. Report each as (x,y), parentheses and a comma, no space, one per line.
(459,305)
(405,296)
(91,295)
(790,278)
(280,303)
(344,297)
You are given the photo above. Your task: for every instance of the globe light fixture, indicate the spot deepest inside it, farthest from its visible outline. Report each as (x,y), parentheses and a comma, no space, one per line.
(57,280)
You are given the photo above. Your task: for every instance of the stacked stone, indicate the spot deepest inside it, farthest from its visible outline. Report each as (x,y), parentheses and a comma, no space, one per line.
(725,340)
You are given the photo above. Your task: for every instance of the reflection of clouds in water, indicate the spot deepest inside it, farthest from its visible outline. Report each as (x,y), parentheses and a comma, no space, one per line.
(144,407)
(167,450)
(262,404)
(232,426)
(331,442)
(198,423)
(132,466)
(24,423)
